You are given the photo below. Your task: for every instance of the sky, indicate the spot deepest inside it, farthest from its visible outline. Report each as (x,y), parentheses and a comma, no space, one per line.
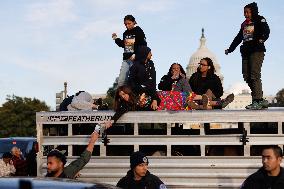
(44,43)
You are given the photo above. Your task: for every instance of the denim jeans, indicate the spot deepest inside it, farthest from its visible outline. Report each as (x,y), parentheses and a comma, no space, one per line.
(124,72)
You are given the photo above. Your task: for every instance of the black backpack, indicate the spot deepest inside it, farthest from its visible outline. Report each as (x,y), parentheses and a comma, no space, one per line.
(63,105)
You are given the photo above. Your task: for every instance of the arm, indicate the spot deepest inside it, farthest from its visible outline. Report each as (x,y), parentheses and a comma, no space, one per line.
(140,38)
(122,183)
(132,79)
(119,42)
(216,87)
(183,85)
(248,184)
(75,166)
(191,83)
(265,30)
(165,83)
(238,39)
(122,110)
(2,173)
(116,117)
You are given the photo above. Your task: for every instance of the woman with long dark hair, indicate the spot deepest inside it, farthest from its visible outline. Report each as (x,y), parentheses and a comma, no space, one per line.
(206,83)
(175,89)
(126,100)
(175,80)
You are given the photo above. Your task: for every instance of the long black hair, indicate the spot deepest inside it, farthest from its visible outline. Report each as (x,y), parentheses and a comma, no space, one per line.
(118,100)
(254,10)
(131,18)
(211,67)
(210,73)
(180,67)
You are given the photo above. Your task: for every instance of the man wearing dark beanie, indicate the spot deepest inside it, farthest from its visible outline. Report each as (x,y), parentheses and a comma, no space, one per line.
(138,177)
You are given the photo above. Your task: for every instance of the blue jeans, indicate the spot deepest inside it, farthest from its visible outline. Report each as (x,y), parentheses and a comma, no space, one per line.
(124,72)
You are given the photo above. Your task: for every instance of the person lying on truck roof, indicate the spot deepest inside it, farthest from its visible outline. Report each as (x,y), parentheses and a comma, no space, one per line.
(126,100)
(57,160)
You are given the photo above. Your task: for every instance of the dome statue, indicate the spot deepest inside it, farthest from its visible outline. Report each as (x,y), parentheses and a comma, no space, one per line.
(202,52)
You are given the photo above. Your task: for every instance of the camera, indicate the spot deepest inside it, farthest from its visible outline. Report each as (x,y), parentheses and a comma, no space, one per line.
(101,105)
(100,129)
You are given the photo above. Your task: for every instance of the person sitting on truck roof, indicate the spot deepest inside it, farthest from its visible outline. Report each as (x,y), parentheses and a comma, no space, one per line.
(271,174)
(57,160)
(206,83)
(138,177)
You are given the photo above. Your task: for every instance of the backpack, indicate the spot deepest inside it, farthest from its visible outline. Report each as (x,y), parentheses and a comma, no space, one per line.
(63,105)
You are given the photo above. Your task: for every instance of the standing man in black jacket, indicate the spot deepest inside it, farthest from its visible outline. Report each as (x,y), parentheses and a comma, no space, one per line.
(254,32)
(139,177)
(271,175)
(142,76)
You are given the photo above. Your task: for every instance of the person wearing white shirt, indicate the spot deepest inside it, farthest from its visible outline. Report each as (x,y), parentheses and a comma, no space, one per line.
(6,165)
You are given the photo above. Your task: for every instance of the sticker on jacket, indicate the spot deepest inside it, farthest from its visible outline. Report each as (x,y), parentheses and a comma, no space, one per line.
(248,32)
(129,43)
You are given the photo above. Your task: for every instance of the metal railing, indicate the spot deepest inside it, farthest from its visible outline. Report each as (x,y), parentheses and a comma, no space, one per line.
(188,171)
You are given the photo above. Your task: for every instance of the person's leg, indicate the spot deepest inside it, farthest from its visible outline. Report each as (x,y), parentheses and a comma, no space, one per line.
(219,104)
(246,70)
(256,60)
(246,67)
(204,103)
(124,71)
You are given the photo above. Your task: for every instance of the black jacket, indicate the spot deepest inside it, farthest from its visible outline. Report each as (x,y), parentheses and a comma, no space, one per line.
(261,31)
(260,180)
(200,85)
(166,84)
(135,34)
(122,109)
(142,76)
(126,106)
(148,182)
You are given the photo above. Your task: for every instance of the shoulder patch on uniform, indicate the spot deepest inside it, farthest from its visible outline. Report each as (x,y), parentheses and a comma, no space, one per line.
(263,20)
(162,186)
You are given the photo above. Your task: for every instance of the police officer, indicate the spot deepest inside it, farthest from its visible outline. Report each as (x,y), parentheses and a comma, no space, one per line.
(138,177)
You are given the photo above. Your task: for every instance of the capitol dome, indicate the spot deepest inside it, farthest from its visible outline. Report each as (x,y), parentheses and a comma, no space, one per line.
(202,52)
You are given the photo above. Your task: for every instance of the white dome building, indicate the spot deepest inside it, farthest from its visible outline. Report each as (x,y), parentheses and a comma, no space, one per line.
(202,52)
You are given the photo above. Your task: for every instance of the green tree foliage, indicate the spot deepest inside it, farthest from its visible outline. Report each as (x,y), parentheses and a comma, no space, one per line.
(280,98)
(18,116)
(111,93)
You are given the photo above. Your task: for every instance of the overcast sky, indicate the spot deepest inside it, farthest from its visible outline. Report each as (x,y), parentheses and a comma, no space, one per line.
(46,42)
